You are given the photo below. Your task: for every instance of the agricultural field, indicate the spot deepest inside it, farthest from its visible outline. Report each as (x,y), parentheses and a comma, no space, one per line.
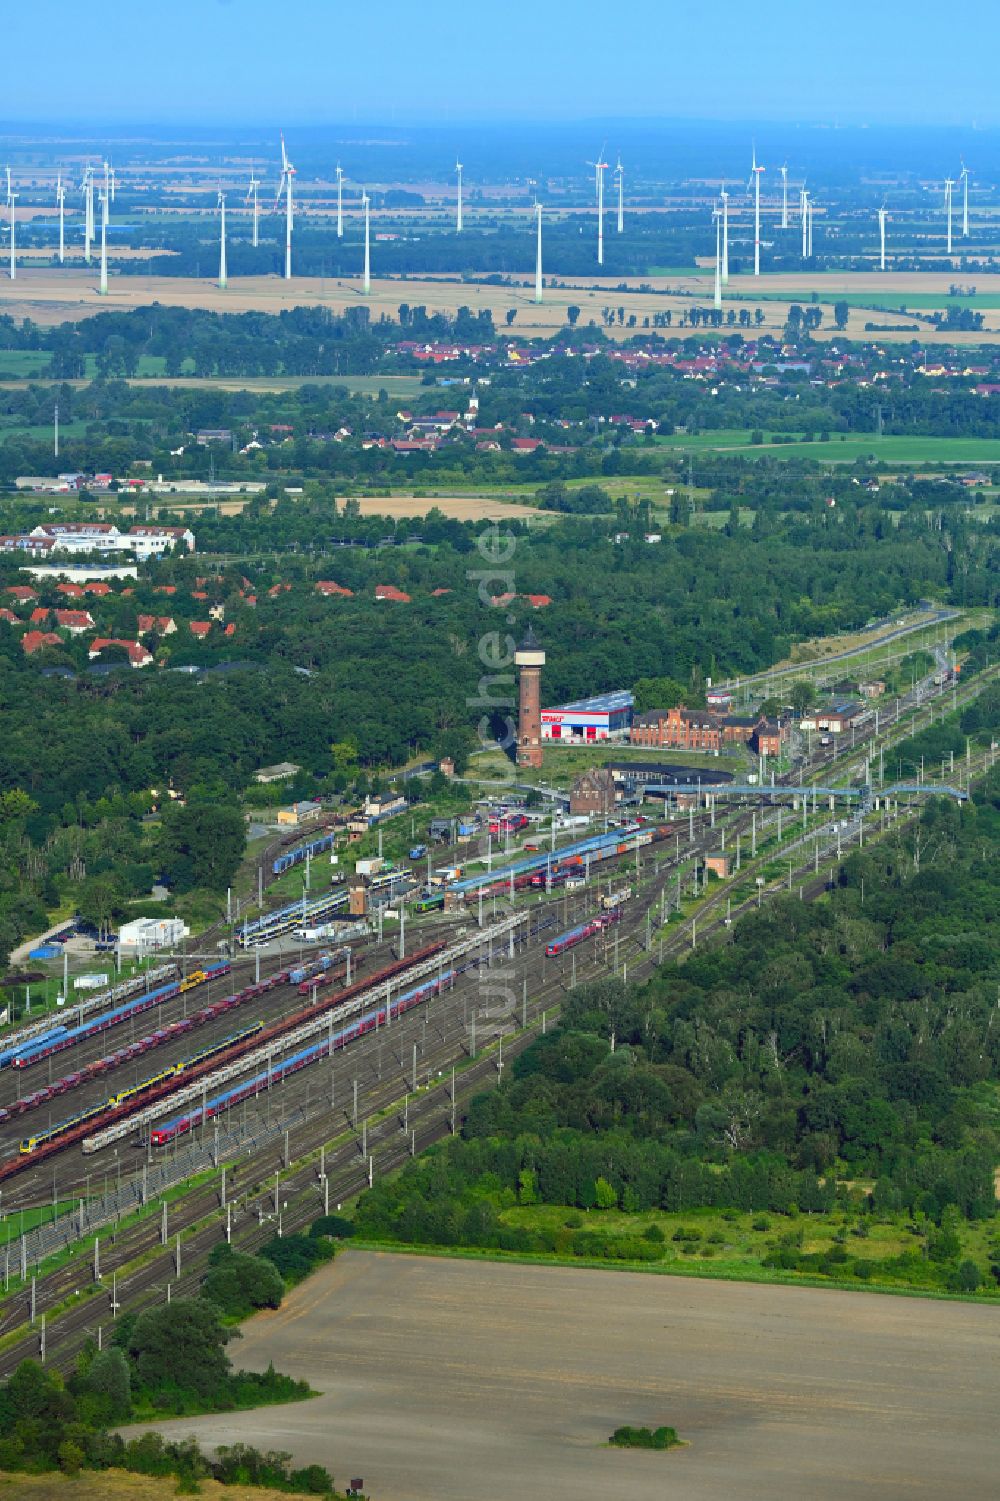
(518,1375)
(52,296)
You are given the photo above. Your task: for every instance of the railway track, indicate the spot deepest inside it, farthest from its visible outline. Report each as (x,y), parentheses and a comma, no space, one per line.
(136,1253)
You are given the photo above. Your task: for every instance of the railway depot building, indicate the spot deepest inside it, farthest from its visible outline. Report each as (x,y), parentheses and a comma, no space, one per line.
(702,730)
(606,716)
(692,729)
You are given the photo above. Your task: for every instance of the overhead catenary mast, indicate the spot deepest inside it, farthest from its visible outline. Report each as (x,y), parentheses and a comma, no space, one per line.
(755,172)
(252,199)
(620,174)
(365,204)
(784,196)
(61,205)
(458,208)
(538,252)
(285,184)
(949,183)
(340,202)
(222,239)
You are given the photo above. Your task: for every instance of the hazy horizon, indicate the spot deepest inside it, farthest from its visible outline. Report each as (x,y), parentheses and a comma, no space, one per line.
(212,61)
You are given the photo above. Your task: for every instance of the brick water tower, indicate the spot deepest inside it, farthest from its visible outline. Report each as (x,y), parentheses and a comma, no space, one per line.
(530,658)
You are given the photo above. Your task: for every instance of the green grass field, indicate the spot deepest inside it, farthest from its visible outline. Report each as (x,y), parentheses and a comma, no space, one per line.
(845,449)
(23,364)
(731,1245)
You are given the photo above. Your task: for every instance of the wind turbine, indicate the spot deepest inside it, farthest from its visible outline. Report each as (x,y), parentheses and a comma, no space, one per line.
(87,187)
(222,239)
(809,221)
(755,172)
(725,236)
(11,200)
(784,196)
(365,204)
(287,173)
(620,174)
(104,243)
(882,216)
(340,202)
(255,212)
(600,167)
(949,183)
(965,201)
(717,216)
(804,216)
(458,211)
(61,205)
(538,252)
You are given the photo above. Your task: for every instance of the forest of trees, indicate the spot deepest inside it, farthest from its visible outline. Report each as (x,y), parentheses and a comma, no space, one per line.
(847,1042)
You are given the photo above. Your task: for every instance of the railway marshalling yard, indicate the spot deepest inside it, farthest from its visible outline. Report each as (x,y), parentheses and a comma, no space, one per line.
(51,296)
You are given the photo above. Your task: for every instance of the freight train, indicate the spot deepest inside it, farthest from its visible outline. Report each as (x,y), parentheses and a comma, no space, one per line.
(164,1134)
(123,1096)
(584,930)
(60,1038)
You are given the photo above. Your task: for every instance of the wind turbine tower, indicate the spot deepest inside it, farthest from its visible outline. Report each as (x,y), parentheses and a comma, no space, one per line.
(804,216)
(965,202)
(458,210)
(725,237)
(365,204)
(784,196)
(600,167)
(620,174)
(88,211)
(104,243)
(538,252)
(252,199)
(755,172)
(949,184)
(340,202)
(881,237)
(61,205)
(809,240)
(11,200)
(717,299)
(287,173)
(222,240)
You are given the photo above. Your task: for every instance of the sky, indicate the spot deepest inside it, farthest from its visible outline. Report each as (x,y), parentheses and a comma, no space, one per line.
(413,61)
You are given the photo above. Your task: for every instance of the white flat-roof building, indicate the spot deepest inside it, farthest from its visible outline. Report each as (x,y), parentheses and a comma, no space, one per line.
(606,716)
(143,540)
(147,935)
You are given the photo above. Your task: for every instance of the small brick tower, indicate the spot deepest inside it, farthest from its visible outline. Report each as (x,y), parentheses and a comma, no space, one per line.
(530,658)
